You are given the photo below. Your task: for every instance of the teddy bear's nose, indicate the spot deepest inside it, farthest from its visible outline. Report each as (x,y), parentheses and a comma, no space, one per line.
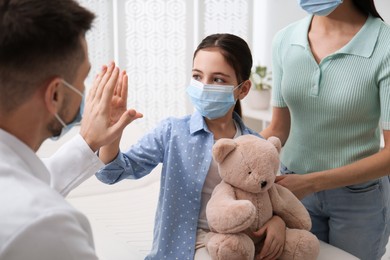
(263,184)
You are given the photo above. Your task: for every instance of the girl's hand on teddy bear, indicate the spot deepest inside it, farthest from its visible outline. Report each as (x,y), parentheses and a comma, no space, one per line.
(275,237)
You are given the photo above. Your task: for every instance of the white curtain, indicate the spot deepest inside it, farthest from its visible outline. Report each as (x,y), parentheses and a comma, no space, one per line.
(154,41)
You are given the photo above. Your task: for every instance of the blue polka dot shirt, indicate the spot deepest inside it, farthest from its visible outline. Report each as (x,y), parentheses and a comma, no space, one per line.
(183,146)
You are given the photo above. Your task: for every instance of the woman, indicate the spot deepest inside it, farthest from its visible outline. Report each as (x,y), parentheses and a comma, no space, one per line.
(331,93)
(220,77)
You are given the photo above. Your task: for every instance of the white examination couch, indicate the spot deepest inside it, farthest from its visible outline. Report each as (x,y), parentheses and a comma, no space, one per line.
(122,215)
(122,218)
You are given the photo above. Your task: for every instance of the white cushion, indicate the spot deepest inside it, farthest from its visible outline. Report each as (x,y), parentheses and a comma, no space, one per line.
(329,252)
(122,220)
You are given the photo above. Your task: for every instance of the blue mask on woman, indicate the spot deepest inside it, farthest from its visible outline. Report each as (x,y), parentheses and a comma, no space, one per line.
(212,101)
(76,120)
(319,7)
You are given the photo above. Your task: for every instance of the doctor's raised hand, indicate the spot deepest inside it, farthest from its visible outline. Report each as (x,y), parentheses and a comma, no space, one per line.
(106,114)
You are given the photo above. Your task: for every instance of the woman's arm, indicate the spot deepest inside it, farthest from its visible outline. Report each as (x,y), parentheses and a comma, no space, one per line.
(369,168)
(280,124)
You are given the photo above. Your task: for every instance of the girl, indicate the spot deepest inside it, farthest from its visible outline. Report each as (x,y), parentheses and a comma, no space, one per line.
(220,77)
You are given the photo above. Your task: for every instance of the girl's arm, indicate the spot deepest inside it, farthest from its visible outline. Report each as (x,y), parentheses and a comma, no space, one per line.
(109,152)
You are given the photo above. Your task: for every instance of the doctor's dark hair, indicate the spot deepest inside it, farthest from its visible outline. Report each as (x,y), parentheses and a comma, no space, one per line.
(236,53)
(367,7)
(39,40)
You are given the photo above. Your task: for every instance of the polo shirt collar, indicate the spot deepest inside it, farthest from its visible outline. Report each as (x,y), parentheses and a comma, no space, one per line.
(300,33)
(362,44)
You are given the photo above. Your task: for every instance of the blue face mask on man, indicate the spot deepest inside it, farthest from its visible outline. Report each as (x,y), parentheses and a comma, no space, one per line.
(212,101)
(76,120)
(319,7)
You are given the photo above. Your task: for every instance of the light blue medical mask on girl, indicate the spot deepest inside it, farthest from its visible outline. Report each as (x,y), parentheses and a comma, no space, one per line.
(319,7)
(76,120)
(212,101)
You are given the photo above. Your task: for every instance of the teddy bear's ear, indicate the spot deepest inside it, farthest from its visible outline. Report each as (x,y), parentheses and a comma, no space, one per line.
(222,148)
(276,142)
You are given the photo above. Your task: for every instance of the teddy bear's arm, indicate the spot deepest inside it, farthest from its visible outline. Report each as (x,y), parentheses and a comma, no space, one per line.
(226,214)
(289,208)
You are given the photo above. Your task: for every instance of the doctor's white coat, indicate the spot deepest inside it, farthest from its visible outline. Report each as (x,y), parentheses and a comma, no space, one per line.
(36,222)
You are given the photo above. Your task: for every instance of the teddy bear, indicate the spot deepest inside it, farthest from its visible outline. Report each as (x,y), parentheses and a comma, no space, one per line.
(247,197)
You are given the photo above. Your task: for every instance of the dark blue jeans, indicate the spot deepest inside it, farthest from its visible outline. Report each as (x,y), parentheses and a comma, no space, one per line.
(355,218)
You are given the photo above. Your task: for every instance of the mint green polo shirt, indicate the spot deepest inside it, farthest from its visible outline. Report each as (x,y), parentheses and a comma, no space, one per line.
(337,106)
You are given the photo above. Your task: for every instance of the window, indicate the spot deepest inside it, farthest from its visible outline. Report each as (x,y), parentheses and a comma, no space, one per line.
(154,41)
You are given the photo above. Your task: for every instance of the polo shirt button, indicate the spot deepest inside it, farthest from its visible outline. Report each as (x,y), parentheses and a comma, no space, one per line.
(314,90)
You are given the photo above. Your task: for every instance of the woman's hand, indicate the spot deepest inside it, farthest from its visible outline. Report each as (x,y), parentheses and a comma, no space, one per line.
(275,236)
(298,184)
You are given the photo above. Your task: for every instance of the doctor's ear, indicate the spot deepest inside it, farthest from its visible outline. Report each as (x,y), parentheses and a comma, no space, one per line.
(244,89)
(52,95)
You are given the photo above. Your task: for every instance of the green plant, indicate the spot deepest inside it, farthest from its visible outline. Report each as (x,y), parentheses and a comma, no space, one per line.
(261,78)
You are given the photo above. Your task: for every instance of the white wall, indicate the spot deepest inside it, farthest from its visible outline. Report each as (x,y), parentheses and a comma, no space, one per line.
(383,7)
(154,41)
(269,16)
(276,14)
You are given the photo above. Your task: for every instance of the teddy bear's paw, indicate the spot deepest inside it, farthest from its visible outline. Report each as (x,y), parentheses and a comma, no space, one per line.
(230,247)
(300,245)
(236,218)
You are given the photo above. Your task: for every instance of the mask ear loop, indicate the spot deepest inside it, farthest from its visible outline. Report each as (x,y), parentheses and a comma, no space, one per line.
(72,88)
(237,87)
(75,90)
(60,120)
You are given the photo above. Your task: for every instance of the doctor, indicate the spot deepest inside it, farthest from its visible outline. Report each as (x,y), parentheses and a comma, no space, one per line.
(43,65)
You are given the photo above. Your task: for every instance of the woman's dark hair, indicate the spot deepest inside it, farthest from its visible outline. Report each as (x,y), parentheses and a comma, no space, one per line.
(367,7)
(236,53)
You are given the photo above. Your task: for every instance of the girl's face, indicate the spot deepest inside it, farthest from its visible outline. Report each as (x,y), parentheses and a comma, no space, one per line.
(210,67)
